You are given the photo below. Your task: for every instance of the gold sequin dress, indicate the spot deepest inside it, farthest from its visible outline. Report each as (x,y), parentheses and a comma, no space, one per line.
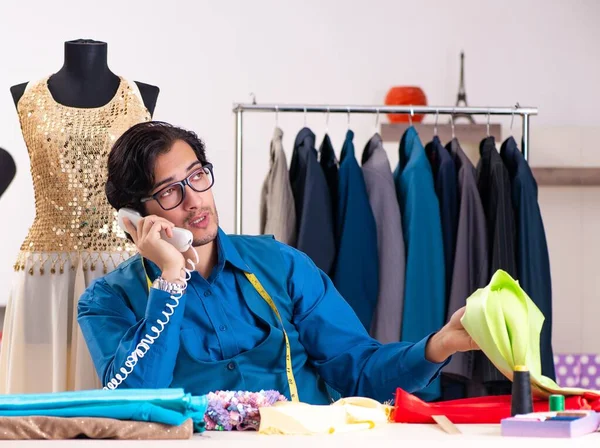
(73,239)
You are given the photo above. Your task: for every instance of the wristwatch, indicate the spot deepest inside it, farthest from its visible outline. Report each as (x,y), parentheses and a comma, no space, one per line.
(170,287)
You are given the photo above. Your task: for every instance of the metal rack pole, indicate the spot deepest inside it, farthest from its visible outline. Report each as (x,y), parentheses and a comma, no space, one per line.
(238,171)
(525,142)
(525,112)
(355,109)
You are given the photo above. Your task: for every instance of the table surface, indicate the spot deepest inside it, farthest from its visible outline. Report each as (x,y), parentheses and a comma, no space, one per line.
(480,436)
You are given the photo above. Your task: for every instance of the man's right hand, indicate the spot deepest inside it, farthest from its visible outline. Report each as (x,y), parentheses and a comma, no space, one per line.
(151,246)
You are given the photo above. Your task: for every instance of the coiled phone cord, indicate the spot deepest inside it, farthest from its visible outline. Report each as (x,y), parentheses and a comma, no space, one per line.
(144,345)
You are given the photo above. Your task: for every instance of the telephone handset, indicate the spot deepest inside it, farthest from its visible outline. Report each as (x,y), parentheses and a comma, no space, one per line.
(182,240)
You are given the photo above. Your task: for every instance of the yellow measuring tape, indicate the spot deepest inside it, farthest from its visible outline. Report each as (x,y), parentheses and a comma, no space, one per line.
(288,351)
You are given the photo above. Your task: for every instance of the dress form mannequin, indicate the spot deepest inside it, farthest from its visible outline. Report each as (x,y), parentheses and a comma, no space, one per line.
(85,80)
(69,122)
(8,169)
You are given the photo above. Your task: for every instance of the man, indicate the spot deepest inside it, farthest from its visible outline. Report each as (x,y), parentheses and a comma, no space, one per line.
(224,333)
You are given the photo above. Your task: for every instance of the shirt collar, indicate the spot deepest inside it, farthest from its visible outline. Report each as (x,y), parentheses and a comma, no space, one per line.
(227,252)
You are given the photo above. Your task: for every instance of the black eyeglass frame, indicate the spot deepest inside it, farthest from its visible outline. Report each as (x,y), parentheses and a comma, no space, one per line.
(182,184)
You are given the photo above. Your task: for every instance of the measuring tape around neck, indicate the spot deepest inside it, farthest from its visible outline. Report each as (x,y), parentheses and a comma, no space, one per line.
(267,298)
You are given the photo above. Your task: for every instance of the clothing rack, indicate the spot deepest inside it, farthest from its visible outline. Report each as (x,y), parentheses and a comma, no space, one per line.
(240,109)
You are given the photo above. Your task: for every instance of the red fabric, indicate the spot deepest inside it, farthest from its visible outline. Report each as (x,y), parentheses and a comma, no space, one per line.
(410,409)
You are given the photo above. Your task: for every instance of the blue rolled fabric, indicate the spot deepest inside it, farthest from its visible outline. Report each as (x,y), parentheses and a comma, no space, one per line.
(167,406)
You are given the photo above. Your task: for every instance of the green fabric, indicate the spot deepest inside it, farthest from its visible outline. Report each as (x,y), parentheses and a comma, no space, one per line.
(506,325)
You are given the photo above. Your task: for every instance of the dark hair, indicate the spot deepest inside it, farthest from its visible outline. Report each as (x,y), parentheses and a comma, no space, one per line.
(131,161)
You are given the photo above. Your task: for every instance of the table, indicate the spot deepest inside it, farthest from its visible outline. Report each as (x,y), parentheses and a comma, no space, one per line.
(391,435)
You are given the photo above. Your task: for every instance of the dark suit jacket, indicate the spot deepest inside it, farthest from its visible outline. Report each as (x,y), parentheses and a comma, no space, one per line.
(356,274)
(314,219)
(330,165)
(495,190)
(533,263)
(444,178)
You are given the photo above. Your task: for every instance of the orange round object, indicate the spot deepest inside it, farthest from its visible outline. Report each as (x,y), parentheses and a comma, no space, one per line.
(405,96)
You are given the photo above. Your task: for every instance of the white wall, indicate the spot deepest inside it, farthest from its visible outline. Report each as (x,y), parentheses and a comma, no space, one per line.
(207,55)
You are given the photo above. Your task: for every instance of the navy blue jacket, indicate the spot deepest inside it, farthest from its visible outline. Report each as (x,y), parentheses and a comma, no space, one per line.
(314,218)
(356,274)
(533,262)
(445,181)
(330,165)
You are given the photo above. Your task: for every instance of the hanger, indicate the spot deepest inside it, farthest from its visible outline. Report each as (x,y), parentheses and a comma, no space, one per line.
(412,113)
(276,116)
(369,148)
(348,118)
(452,123)
(305,117)
(488,123)
(435,129)
(512,116)
(320,149)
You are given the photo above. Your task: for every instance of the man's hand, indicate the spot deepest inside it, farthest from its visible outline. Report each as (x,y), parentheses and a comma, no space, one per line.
(150,245)
(450,339)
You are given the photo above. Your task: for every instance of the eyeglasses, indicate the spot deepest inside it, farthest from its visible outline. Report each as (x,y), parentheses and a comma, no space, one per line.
(174,194)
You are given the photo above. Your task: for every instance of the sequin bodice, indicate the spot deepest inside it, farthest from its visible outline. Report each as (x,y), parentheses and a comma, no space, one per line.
(68,149)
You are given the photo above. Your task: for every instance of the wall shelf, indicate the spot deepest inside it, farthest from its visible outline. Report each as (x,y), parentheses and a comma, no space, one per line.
(567,176)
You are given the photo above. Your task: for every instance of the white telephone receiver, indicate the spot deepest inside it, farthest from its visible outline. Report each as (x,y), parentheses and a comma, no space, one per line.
(182,240)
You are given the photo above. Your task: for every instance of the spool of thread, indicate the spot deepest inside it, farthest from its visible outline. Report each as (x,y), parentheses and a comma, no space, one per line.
(557,403)
(521,400)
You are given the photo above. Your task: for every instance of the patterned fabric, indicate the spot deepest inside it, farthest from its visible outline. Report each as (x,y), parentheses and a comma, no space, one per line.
(68,148)
(59,428)
(578,370)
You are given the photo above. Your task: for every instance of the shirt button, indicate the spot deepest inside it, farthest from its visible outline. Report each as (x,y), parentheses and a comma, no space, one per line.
(207,293)
(223,327)
(231,366)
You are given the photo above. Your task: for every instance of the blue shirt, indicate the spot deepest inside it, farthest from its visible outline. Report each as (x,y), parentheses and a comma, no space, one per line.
(224,336)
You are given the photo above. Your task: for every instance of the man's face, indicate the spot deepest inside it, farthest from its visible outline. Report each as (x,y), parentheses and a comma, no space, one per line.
(197,211)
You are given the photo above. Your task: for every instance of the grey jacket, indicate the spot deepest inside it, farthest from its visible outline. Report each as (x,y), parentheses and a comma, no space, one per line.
(277,210)
(387,321)
(471,264)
